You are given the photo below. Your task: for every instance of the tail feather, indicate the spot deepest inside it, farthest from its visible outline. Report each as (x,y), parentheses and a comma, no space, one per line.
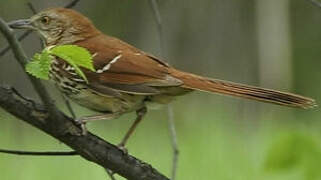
(195,82)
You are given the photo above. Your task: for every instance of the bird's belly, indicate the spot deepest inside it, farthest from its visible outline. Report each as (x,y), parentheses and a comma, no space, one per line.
(102,103)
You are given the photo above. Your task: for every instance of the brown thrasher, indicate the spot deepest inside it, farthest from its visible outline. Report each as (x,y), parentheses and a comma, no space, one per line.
(127,78)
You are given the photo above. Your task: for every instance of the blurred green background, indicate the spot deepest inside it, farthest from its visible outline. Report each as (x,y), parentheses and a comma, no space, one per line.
(269,43)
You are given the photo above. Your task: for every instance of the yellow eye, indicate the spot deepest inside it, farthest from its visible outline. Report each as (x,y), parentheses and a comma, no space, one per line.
(45,20)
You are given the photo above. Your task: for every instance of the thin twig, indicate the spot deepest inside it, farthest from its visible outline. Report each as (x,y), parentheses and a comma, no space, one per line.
(31,7)
(172,131)
(33,153)
(316,3)
(4,50)
(170,113)
(34,11)
(72,4)
(158,20)
(68,105)
(25,34)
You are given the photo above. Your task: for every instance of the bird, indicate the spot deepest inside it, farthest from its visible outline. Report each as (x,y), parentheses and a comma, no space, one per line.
(127,79)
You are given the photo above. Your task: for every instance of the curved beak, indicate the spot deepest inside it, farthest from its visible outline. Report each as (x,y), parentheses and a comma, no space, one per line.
(21,24)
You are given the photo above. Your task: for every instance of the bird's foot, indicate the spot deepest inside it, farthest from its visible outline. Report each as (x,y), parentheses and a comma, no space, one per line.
(82,125)
(122,147)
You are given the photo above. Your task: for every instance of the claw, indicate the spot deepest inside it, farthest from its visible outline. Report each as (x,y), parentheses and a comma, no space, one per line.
(82,125)
(122,148)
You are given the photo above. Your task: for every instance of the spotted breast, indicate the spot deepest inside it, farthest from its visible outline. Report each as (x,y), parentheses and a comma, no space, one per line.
(76,88)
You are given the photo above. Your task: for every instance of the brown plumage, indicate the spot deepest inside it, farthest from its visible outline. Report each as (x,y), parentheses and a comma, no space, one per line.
(245,91)
(126,77)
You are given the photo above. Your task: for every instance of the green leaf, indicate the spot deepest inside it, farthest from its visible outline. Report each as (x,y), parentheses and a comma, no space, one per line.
(76,55)
(78,70)
(39,65)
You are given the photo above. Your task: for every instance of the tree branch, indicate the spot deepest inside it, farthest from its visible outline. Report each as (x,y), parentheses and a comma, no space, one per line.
(90,147)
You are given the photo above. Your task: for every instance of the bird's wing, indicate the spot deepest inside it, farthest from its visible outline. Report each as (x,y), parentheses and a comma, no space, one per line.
(127,69)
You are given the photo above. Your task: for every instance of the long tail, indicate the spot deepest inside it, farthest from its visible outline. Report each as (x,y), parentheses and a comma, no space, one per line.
(195,82)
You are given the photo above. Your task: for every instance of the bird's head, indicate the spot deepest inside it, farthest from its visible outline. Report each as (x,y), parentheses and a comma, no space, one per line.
(58,26)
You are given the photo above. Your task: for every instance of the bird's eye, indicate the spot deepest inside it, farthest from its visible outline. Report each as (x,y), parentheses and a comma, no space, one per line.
(45,20)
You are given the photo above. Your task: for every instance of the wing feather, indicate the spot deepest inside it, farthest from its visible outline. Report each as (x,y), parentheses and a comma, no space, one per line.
(133,71)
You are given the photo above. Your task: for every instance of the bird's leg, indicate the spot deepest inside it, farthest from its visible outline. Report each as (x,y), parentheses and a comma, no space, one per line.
(140,114)
(83,120)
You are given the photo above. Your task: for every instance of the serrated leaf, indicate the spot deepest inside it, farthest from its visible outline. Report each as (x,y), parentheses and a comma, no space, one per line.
(39,65)
(75,54)
(78,70)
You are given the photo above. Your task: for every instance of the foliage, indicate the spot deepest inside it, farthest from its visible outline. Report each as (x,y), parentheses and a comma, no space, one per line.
(74,55)
(40,65)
